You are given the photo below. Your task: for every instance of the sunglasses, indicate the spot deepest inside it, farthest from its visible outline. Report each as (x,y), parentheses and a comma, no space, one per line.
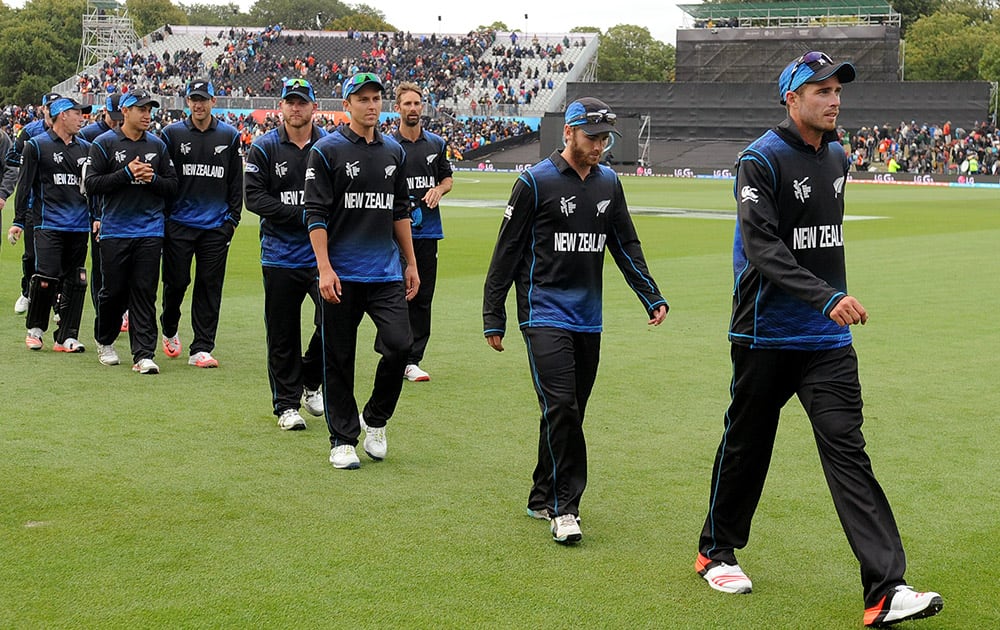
(593,118)
(292,84)
(359,80)
(805,60)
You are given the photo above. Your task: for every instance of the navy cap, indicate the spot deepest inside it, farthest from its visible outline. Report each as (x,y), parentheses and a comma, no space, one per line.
(298,87)
(51,96)
(592,116)
(61,105)
(137,98)
(812,67)
(360,80)
(200,87)
(111,107)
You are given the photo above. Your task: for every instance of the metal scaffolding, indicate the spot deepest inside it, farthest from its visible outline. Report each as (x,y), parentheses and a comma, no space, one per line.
(107,29)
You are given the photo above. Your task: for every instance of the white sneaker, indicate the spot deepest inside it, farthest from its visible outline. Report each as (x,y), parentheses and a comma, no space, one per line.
(70,345)
(566,530)
(312,400)
(21,305)
(290,420)
(146,366)
(727,578)
(343,456)
(33,340)
(375,444)
(107,355)
(414,374)
(901,604)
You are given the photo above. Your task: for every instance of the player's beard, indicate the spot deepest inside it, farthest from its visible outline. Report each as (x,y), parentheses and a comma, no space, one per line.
(581,156)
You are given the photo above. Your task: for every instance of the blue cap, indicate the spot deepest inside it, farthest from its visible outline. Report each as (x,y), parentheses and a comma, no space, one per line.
(298,87)
(812,67)
(200,87)
(137,98)
(360,80)
(61,105)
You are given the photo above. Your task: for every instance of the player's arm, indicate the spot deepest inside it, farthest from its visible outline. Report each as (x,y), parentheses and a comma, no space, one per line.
(319,199)
(6,188)
(757,217)
(512,241)
(256,187)
(103,177)
(626,250)
(235,172)
(25,185)
(401,228)
(444,179)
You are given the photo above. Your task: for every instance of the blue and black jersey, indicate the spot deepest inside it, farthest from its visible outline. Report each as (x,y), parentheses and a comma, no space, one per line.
(49,190)
(426,166)
(357,191)
(551,247)
(209,174)
(12,158)
(788,251)
(130,208)
(94,129)
(273,183)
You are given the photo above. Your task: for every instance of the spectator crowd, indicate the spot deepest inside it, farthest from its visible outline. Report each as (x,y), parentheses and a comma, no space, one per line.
(925,149)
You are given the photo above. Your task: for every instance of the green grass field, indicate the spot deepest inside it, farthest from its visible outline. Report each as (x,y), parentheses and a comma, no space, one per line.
(175,501)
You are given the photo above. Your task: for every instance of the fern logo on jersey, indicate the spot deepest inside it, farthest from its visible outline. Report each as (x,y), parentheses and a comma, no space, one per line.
(602,206)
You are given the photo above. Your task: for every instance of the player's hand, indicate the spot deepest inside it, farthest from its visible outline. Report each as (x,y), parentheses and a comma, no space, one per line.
(659,315)
(141,171)
(13,234)
(495,342)
(96,229)
(329,285)
(412,281)
(848,312)
(432,197)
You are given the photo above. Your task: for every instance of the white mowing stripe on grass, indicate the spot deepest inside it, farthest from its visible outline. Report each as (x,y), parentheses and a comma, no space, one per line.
(682,213)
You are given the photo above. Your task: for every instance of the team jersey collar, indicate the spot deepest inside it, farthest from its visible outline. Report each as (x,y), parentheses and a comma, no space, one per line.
(401,138)
(348,133)
(212,125)
(787,130)
(51,133)
(563,166)
(283,134)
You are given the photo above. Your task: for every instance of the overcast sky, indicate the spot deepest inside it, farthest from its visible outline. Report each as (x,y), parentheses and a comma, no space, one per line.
(461,16)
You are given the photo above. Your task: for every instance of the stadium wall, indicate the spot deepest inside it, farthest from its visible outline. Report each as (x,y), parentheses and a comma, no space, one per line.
(739,54)
(742,111)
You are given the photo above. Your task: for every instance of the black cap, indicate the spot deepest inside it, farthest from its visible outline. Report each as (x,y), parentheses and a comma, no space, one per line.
(591,115)
(51,96)
(200,87)
(111,107)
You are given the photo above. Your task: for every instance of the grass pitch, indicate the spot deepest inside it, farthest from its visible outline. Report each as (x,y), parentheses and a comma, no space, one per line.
(175,501)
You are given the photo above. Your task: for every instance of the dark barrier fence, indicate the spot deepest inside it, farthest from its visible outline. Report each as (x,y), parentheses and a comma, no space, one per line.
(500,146)
(742,111)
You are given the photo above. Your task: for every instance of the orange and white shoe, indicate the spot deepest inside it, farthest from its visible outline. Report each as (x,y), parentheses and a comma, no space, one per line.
(727,578)
(124,327)
(414,374)
(902,603)
(203,360)
(172,346)
(70,345)
(33,340)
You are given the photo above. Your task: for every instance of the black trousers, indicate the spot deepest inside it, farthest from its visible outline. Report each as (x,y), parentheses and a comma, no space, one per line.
(210,250)
(130,273)
(385,304)
(288,370)
(826,383)
(563,369)
(95,268)
(58,255)
(426,251)
(28,264)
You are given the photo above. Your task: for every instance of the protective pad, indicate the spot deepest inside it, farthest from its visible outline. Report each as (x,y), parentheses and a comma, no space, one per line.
(74,294)
(41,291)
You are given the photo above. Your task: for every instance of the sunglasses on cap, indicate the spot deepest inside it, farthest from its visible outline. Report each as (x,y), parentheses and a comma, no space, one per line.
(593,118)
(805,60)
(291,85)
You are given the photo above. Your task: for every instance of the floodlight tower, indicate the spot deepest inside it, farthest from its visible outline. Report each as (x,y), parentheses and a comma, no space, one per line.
(107,29)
